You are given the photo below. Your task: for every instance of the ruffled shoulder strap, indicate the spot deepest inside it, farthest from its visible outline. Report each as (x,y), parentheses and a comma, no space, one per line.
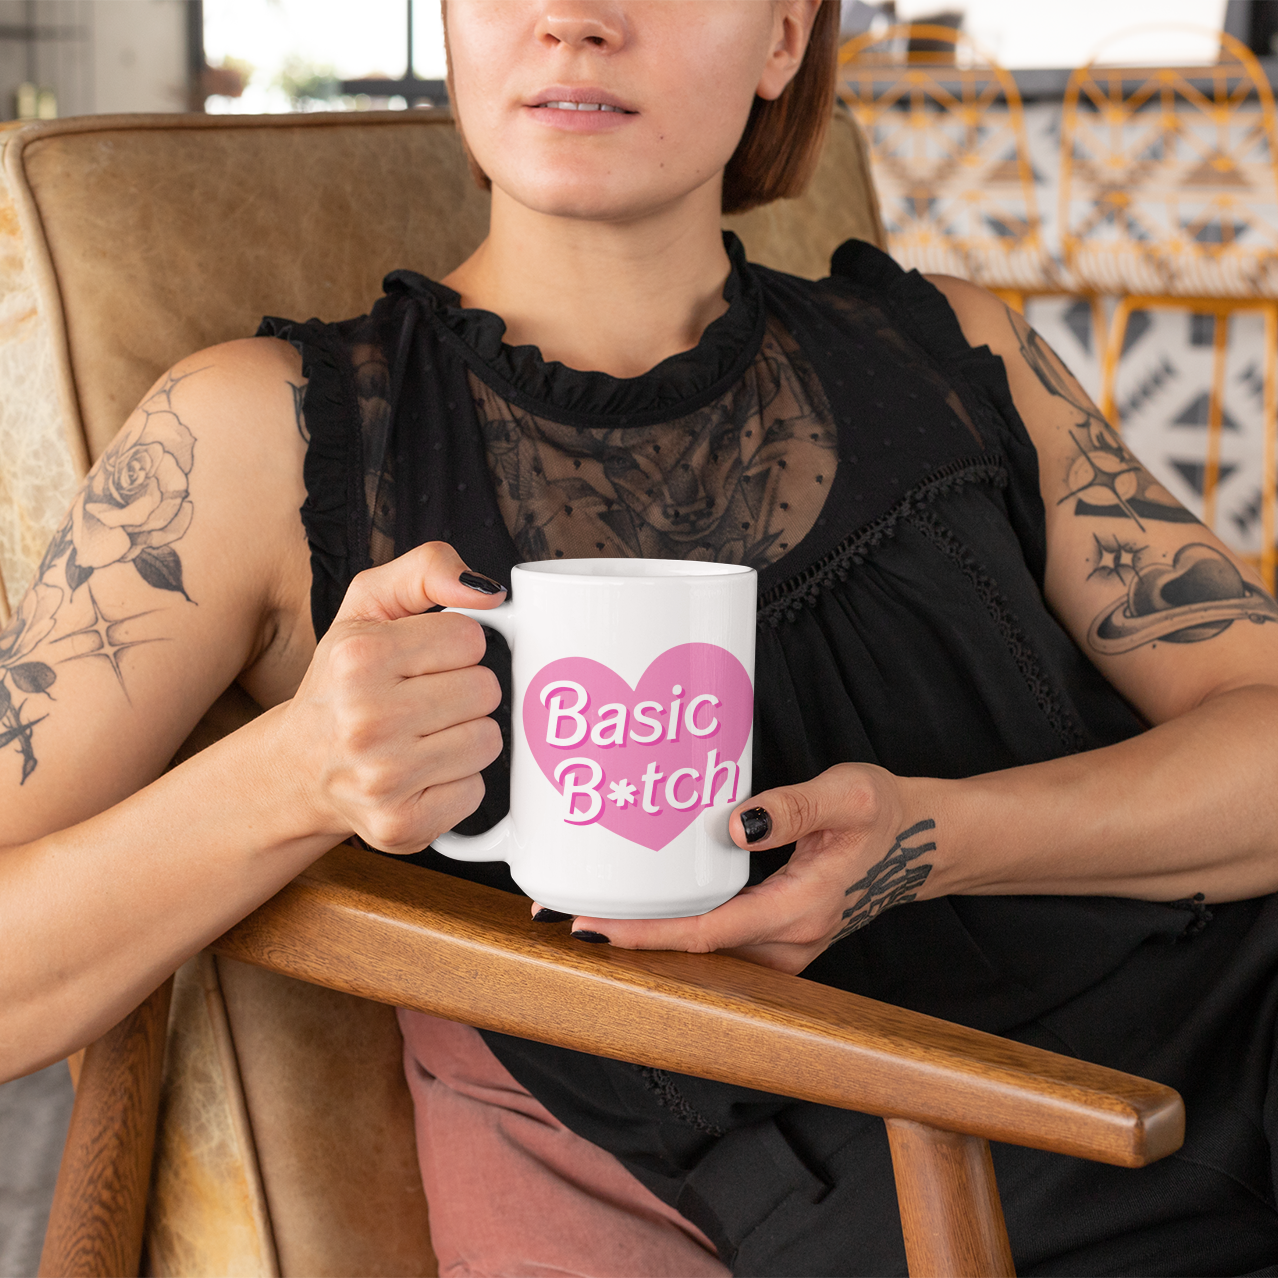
(345,416)
(921,305)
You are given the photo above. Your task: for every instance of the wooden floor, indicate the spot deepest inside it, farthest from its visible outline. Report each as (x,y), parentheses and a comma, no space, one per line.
(33,1124)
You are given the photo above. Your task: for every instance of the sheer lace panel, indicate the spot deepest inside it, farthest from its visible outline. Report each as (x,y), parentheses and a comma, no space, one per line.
(739,481)
(372,393)
(890,342)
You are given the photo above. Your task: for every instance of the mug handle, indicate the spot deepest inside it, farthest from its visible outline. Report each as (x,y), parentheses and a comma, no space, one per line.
(501,619)
(491,845)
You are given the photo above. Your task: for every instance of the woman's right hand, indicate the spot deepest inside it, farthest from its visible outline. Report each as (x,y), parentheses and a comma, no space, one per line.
(391,721)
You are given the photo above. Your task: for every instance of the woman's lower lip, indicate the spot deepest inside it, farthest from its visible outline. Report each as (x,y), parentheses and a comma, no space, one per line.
(580,121)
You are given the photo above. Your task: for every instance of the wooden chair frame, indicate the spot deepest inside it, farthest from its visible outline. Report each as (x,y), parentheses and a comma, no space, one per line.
(388,931)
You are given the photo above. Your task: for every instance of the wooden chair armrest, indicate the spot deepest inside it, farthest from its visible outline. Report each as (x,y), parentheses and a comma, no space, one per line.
(398,934)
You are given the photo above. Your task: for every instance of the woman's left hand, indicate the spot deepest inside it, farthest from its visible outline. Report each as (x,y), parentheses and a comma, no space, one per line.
(860,849)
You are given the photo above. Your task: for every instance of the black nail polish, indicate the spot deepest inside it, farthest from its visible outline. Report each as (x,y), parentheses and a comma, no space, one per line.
(485,585)
(595,938)
(550,916)
(757,824)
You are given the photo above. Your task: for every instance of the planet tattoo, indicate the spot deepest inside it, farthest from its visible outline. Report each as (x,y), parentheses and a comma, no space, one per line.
(1199,595)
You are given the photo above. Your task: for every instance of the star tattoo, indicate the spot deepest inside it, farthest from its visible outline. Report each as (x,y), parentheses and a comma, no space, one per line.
(1104,471)
(1112,557)
(104,633)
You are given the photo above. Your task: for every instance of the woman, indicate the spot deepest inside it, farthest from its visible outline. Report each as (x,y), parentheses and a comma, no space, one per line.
(1004,680)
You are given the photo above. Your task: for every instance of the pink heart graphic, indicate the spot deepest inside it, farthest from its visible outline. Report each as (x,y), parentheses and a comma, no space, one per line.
(616,753)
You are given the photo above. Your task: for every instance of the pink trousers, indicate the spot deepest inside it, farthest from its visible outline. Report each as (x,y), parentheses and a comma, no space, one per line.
(513,1193)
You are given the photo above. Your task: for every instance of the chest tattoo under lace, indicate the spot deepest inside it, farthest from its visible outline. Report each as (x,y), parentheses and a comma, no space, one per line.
(739,481)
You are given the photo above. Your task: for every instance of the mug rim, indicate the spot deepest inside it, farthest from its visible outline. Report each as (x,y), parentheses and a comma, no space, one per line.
(666,569)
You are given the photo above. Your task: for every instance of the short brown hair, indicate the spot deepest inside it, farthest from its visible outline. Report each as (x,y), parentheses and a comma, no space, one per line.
(782,142)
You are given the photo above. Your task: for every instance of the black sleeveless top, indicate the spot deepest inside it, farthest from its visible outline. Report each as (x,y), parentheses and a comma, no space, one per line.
(901,622)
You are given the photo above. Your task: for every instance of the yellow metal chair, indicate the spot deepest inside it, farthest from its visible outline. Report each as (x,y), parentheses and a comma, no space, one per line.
(946,132)
(1169,198)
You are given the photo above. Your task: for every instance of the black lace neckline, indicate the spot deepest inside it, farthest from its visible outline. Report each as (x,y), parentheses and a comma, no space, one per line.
(678,385)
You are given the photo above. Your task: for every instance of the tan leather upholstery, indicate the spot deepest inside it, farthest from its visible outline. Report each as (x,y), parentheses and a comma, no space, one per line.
(127,242)
(147,238)
(210,1215)
(41,450)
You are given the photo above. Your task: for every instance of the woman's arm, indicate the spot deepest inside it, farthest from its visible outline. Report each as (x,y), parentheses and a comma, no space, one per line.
(1174,621)
(181,567)
(1186,631)
(1159,604)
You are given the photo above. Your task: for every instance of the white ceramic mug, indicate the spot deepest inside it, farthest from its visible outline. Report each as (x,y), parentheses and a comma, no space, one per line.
(632,723)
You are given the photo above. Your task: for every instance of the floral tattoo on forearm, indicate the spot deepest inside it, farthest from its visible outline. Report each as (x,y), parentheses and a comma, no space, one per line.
(132,509)
(895,880)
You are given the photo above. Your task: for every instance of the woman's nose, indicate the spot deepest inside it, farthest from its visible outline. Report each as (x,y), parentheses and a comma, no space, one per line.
(583,24)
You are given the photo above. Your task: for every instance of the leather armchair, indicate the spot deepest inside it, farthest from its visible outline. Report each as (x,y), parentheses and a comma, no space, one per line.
(251,1116)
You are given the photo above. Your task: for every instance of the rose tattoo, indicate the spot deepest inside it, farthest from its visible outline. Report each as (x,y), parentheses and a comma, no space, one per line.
(135,504)
(133,507)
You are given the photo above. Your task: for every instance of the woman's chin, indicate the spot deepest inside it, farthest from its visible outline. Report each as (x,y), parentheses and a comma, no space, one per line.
(586,198)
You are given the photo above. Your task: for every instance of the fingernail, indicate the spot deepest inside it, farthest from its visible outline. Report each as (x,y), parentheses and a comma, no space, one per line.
(595,938)
(485,585)
(550,916)
(757,824)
